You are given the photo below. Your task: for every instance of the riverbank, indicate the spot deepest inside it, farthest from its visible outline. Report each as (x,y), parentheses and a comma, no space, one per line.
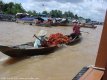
(63,64)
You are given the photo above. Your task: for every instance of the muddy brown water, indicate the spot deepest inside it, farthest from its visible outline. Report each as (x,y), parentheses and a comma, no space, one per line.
(63,64)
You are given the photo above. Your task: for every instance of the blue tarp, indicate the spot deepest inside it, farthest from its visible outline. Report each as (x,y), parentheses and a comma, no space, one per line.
(28,18)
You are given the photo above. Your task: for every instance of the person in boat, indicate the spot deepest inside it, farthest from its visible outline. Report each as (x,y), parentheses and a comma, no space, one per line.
(76,29)
(41,39)
(49,21)
(40,20)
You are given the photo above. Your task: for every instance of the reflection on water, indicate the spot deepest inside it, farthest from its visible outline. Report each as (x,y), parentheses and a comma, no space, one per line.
(63,64)
(11,61)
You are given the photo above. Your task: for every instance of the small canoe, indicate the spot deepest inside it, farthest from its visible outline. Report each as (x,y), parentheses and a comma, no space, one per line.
(26,50)
(74,40)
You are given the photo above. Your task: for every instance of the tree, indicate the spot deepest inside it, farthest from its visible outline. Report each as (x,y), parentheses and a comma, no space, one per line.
(1,6)
(45,12)
(10,7)
(52,13)
(56,13)
(13,8)
(59,13)
(68,14)
(88,20)
(71,14)
(5,8)
(35,13)
(18,8)
(30,12)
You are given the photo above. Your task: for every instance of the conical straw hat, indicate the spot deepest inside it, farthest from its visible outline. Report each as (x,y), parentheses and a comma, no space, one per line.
(42,33)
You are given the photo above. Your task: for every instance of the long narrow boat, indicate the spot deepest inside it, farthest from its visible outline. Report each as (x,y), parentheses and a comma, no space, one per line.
(74,40)
(88,26)
(52,24)
(26,50)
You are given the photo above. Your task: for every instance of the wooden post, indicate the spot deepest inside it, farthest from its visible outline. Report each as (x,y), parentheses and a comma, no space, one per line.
(105,74)
(101,59)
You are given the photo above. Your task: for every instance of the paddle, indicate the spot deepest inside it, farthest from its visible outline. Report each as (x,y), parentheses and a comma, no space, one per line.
(41,33)
(74,38)
(43,42)
(37,38)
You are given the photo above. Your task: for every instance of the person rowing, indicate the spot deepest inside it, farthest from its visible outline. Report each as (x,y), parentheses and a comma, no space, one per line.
(76,30)
(39,20)
(41,39)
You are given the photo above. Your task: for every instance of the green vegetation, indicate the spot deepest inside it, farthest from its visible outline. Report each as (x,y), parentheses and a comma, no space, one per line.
(13,8)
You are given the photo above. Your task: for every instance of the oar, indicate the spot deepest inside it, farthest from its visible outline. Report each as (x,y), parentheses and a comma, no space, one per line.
(75,38)
(84,31)
(37,38)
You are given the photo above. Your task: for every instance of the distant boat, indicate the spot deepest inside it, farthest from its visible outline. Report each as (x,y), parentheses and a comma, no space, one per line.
(28,18)
(88,26)
(7,17)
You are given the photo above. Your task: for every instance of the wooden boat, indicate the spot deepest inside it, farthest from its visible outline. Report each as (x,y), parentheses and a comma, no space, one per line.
(26,50)
(53,24)
(88,26)
(74,40)
(43,24)
(59,24)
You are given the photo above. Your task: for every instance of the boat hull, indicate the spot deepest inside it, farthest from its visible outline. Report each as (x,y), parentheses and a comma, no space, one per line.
(75,41)
(16,51)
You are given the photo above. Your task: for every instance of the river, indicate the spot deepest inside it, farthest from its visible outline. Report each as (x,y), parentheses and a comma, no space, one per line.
(63,64)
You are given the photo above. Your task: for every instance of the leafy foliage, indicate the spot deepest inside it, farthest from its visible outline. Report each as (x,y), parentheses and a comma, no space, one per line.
(13,8)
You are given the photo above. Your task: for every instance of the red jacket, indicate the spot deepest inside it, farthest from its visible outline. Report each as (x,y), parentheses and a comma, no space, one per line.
(76,29)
